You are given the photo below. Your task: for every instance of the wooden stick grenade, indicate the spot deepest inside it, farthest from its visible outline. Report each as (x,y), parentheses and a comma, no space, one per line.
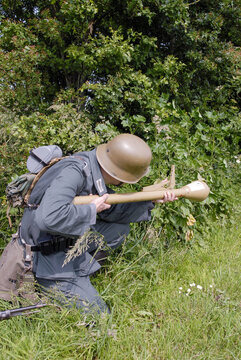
(196,191)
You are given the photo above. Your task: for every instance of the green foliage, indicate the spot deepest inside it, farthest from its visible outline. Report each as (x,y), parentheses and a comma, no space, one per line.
(64,126)
(77,43)
(21,81)
(200,149)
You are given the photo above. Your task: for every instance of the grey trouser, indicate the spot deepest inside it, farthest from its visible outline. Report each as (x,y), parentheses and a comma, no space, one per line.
(78,290)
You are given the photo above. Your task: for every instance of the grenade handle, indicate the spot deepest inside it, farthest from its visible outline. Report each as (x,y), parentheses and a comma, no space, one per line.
(195,191)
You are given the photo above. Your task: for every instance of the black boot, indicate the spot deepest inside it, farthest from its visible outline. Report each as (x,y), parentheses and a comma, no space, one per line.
(100,256)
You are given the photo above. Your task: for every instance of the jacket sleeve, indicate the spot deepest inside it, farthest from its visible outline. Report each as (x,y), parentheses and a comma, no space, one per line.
(56,213)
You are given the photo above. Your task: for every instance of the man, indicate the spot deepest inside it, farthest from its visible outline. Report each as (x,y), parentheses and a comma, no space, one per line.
(52,222)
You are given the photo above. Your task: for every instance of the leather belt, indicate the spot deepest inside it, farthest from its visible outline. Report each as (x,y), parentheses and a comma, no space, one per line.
(54,245)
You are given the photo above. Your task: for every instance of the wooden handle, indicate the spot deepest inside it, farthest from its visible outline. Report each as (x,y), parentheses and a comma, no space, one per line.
(196,191)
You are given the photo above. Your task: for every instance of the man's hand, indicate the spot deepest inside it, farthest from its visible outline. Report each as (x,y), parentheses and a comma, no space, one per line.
(100,203)
(169,196)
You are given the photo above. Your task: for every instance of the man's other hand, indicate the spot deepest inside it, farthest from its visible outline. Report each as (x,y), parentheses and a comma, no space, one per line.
(169,196)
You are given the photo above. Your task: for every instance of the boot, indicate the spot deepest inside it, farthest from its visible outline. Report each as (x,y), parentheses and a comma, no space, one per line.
(100,256)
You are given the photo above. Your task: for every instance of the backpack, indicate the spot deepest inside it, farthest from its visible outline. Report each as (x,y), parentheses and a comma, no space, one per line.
(40,160)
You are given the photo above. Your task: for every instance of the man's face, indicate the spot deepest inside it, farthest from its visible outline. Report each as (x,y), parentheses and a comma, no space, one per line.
(115,182)
(109,180)
(119,184)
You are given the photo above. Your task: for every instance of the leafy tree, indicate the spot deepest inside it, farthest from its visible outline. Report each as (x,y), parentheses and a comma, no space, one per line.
(75,43)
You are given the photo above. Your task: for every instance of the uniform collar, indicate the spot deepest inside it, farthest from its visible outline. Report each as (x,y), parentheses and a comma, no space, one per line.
(96,174)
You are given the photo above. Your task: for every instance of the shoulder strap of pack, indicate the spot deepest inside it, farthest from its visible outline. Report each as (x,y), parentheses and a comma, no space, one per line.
(25,199)
(44,169)
(38,176)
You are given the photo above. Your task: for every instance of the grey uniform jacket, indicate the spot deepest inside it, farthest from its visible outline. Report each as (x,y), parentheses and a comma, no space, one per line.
(56,214)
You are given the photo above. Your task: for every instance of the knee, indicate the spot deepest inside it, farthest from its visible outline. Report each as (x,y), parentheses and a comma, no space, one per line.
(122,229)
(117,234)
(114,234)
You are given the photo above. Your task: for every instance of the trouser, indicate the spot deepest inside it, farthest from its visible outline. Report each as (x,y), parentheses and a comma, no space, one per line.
(79,290)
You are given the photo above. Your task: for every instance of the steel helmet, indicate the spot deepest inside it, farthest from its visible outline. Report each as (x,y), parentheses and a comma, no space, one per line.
(126,158)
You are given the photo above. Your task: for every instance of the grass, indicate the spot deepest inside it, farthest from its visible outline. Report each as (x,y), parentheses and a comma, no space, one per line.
(151,317)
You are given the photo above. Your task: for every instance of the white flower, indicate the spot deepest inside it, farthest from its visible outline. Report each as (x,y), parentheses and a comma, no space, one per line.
(199,287)
(188,290)
(179,292)
(210,286)
(193,284)
(238,161)
(180,288)
(187,294)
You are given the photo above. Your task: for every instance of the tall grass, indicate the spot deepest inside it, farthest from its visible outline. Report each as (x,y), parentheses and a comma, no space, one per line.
(152,318)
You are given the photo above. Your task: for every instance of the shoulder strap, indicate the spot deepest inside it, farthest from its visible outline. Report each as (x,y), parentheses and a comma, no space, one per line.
(38,176)
(44,169)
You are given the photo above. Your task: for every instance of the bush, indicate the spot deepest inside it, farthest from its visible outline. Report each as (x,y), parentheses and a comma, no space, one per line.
(202,144)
